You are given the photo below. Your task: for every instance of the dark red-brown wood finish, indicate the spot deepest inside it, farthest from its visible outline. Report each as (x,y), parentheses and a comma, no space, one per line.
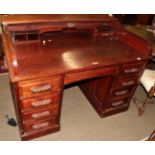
(47,52)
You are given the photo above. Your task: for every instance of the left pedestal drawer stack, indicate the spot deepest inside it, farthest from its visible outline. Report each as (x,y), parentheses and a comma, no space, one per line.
(37,105)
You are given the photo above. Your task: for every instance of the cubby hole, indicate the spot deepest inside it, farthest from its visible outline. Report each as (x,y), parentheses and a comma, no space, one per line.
(25,36)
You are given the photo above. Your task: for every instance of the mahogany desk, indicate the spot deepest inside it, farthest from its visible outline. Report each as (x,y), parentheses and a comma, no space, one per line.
(47,52)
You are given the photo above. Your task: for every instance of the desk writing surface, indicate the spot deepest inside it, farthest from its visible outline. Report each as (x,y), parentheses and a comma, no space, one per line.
(66,52)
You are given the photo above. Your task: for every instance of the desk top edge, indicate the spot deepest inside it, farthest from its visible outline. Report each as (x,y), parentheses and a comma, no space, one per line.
(22,19)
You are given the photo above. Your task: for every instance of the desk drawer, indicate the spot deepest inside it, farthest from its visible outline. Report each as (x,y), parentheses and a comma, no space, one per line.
(119,102)
(123,92)
(40,114)
(135,68)
(84,75)
(128,81)
(114,110)
(41,125)
(40,102)
(38,87)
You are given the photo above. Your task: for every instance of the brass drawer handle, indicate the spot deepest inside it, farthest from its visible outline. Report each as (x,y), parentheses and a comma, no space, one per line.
(41,125)
(117,103)
(121,92)
(128,83)
(40,114)
(71,25)
(41,103)
(41,88)
(132,70)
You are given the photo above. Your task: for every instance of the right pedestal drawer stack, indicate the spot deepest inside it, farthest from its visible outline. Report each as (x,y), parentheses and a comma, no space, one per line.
(123,88)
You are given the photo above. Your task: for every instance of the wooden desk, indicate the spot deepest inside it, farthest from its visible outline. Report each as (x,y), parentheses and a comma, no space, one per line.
(47,52)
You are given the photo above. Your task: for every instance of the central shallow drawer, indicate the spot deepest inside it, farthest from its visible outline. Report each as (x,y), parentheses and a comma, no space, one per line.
(93,73)
(41,86)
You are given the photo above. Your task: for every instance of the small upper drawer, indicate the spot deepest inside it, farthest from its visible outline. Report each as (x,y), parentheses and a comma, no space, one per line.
(133,68)
(41,102)
(126,81)
(41,86)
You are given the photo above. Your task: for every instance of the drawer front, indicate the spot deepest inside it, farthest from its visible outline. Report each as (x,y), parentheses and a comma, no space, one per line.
(41,102)
(128,69)
(123,82)
(83,75)
(41,125)
(112,109)
(38,87)
(40,114)
(115,103)
(123,92)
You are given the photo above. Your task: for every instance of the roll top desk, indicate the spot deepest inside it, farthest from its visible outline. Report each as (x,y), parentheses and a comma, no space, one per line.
(47,52)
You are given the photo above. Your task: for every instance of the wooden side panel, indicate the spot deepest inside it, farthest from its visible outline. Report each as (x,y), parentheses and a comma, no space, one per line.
(97,92)
(103,86)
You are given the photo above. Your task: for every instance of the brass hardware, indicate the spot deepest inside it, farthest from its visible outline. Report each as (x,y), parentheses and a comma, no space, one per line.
(117,103)
(71,25)
(41,103)
(128,83)
(132,70)
(41,88)
(39,126)
(121,92)
(40,114)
